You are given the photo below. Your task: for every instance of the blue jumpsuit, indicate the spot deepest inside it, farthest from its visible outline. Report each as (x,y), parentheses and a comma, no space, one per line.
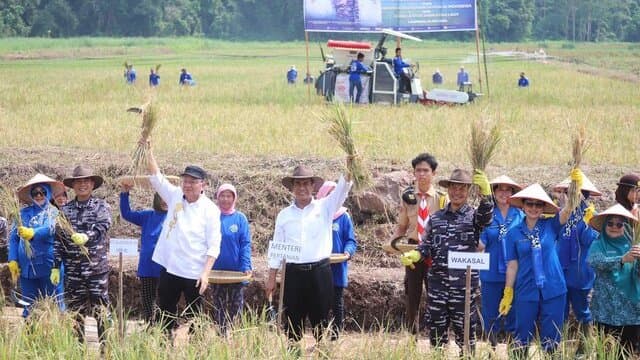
(493,280)
(531,302)
(573,245)
(344,241)
(355,83)
(35,271)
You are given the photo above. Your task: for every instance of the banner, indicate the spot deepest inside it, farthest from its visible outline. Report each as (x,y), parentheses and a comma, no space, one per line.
(400,15)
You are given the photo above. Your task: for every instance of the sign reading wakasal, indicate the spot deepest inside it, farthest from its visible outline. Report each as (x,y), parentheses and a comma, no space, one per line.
(460,260)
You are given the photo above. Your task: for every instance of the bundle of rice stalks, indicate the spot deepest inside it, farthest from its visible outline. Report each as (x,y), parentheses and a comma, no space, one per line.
(484,142)
(578,149)
(10,207)
(67,229)
(341,128)
(158,67)
(149,120)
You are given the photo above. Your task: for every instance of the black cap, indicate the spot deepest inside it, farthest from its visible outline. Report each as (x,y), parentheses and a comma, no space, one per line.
(195,172)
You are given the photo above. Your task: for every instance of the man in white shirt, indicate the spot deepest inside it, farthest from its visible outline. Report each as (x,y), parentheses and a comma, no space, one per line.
(304,229)
(189,242)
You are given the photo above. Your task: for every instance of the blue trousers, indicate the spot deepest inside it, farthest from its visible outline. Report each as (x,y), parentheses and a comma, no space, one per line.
(38,288)
(578,299)
(491,296)
(550,315)
(357,84)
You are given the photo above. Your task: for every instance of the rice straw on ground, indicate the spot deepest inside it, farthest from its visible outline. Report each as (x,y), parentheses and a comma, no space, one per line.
(10,206)
(485,139)
(341,128)
(578,149)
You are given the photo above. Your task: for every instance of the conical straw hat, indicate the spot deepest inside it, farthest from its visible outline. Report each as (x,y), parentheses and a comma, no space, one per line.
(504,179)
(24,192)
(587,185)
(598,220)
(535,192)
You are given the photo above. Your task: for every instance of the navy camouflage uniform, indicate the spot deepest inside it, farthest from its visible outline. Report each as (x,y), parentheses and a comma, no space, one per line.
(86,280)
(446,231)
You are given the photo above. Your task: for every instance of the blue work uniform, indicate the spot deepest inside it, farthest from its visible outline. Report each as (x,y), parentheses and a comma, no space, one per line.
(154,80)
(186,79)
(493,280)
(344,241)
(292,75)
(523,82)
(355,82)
(573,244)
(463,77)
(531,302)
(131,76)
(36,270)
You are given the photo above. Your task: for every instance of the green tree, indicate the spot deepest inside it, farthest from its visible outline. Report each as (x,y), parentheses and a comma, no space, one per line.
(54,18)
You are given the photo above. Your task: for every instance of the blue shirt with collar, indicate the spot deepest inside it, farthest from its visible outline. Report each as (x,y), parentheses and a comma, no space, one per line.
(235,247)
(519,248)
(489,238)
(398,65)
(344,241)
(150,222)
(573,243)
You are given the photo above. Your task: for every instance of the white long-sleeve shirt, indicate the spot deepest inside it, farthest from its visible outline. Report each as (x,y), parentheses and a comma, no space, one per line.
(309,228)
(190,233)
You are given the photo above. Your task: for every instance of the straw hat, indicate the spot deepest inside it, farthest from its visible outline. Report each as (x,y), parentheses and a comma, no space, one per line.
(598,220)
(535,192)
(83,172)
(24,192)
(504,179)
(302,172)
(587,185)
(458,176)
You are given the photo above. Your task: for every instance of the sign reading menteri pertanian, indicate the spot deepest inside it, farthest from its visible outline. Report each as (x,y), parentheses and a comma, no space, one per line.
(280,250)
(460,260)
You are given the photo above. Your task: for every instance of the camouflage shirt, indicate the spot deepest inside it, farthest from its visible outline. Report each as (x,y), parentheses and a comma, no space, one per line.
(459,230)
(93,218)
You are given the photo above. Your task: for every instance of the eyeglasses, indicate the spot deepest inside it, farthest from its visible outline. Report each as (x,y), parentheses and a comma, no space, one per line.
(537,204)
(38,193)
(191,181)
(615,224)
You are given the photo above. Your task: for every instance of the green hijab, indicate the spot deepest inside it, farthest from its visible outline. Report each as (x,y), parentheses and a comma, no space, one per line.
(626,277)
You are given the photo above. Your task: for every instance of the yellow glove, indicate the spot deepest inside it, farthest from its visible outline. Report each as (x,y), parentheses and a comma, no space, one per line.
(79,238)
(480,179)
(507,299)
(588,213)
(14,269)
(410,257)
(577,176)
(55,276)
(26,233)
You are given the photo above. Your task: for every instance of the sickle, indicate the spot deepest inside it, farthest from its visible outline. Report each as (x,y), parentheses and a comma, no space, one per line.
(395,241)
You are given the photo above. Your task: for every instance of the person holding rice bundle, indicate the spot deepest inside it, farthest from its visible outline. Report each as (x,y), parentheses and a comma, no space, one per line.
(493,241)
(83,248)
(150,220)
(628,193)
(573,243)
(31,243)
(344,242)
(616,292)
(457,227)
(235,255)
(534,269)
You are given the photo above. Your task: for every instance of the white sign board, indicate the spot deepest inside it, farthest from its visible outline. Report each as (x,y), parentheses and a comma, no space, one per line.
(342,89)
(280,250)
(460,260)
(128,247)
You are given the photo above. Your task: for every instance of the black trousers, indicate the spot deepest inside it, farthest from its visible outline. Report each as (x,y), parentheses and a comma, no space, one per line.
(414,279)
(149,292)
(628,336)
(170,287)
(308,291)
(338,310)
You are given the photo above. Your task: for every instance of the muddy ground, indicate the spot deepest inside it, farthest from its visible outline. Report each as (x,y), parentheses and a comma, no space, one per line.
(375,293)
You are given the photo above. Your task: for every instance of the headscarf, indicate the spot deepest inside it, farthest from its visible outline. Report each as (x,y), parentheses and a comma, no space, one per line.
(626,277)
(228,187)
(324,190)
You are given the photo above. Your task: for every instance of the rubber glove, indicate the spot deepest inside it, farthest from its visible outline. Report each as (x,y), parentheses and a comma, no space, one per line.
(480,179)
(507,299)
(79,238)
(577,176)
(55,276)
(588,213)
(14,269)
(26,233)
(410,257)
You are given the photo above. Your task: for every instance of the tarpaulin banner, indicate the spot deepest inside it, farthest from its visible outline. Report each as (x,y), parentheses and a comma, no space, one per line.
(399,15)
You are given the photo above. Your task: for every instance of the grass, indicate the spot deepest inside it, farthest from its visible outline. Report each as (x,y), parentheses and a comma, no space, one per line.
(242,104)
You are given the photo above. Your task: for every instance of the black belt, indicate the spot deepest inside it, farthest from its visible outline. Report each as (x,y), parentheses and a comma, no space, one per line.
(308,266)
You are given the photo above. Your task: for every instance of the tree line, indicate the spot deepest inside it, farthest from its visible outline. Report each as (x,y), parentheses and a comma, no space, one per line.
(500,20)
